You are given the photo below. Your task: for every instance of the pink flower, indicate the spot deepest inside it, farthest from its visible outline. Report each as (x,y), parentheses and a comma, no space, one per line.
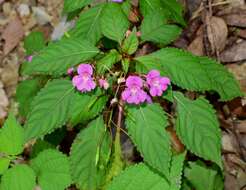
(156,83)
(134,81)
(134,93)
(148,99)
(117,1)
(29,58)
(85,69)
(103,84)
(70,71)
(84,81)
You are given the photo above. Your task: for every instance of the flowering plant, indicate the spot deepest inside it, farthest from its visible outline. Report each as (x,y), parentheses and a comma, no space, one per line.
(95,95)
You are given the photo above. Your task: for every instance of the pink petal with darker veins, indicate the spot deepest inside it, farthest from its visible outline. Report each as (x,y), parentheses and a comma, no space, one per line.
(134,81)
(85,68)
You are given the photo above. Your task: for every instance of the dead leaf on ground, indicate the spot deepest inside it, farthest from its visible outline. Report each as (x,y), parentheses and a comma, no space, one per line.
(242,33)
(4,103)
(239,71)
(217,33)
(12,35)
(235,53)
(234,16)
(196,46)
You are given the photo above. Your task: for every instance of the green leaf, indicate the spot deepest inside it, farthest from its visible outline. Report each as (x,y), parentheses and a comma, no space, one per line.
(72,5)
(34,42)
(25,92)
(86,153)
(174,10)
(4,164)
(203,178)
(50,108)
(125,63)
(88,24)
(59,56)
(11,137)
(146,126)
(139,177)
(130,44)
(39,146)
(114,22)
(107,62)
(168,94)
(52,170)
(126,7)
(176,171)
(155,29)
(198,128)
(191,72)
(87,106)
(147,7)
(20,177)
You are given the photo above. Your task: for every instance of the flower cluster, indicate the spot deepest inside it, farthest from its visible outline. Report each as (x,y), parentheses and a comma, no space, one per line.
(134,92)
(84,81)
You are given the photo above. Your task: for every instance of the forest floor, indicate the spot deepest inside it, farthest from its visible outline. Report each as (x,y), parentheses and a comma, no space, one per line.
(215,28)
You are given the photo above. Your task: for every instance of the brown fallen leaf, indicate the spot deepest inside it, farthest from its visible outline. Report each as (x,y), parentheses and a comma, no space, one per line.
(242,33)
(217,33)
(235,53)
(196,46)
(12,35)
(4,103)
(236,19)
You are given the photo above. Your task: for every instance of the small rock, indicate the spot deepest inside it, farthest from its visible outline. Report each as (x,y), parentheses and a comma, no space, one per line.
(7,8)
(235,53)
(41,16)
(227,143)
(24,10)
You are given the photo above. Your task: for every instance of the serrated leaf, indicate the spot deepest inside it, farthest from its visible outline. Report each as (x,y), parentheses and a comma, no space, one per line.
(130,44)
(107,62)
(176,170)
(52,170)
(198,128)
(39,146)
(191,72)
(168,94)
(203,178)
(59,56)
(4,164)
(34,42)
(50,108)
(25,92)
(125,63)
(114,22)
(11,137)
(20,177)
(72,5)
(155,29)
(86,106)
(84,155)
(174,10)
(146,127)
(88,24)
(147,7)
(126,7)
(139,177)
